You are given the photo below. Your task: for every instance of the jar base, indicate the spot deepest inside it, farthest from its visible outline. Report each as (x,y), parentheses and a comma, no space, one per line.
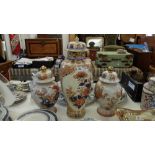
(75,114)
(52,109)
(105,113)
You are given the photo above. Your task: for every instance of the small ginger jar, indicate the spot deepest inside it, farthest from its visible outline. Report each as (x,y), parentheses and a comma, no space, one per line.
(108,93)
(148,94)
(76,78)
(45,91)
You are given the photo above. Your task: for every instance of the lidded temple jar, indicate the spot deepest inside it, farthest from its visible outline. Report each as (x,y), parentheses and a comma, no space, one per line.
(109,93)
(45,91)
(76,78)
(148,94)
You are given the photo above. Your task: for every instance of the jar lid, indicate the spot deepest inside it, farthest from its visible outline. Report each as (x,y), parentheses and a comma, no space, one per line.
(76,45)
(109,76)
(44,75)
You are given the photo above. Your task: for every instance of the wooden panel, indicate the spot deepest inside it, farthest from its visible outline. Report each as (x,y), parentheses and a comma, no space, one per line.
(141,60)
(43,47)
(0,48)
(151,43)
(49,35)
(126,37)
(4,69)
(38,48)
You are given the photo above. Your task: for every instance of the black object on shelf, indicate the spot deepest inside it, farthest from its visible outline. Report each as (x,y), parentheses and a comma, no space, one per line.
(2,59)
(132,87)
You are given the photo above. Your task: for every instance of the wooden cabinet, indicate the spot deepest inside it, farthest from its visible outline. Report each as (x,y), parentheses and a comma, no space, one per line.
(5,69)
(150,40)
(42,47)
(49,35)
(141,59)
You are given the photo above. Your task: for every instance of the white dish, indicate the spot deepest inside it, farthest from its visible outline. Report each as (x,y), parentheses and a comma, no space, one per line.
(38,115)
(35,116)
(7,94)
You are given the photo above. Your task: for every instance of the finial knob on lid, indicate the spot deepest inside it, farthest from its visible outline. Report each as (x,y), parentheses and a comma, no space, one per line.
(43,68)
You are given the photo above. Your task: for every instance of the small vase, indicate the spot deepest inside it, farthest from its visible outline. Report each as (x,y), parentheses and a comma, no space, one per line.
(108,93)
(45,91)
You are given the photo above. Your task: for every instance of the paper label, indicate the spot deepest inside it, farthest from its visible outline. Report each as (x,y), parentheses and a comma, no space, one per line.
(21,66)
(131,85)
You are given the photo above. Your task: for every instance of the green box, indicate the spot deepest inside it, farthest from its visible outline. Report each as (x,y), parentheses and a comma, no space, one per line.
(114,58)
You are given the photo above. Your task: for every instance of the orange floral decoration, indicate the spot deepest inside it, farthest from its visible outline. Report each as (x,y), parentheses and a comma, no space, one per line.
(67,70)
(69,91)
(85,92)
(80,101)
(80,75)
(98,93)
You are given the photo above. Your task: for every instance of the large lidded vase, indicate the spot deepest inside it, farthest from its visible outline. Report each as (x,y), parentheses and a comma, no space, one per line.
(45,91)
(108,93)
(76,78)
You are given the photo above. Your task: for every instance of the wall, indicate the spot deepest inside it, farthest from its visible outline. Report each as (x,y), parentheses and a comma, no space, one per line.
(65,40)
(22,38)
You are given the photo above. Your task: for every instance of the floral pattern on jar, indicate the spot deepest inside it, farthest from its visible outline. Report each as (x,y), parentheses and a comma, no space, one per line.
(76,84)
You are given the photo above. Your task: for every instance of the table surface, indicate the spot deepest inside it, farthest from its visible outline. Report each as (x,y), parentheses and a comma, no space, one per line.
(91,110)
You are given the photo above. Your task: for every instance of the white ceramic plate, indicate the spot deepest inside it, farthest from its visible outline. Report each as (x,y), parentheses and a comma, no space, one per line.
(38,115)
(7,94)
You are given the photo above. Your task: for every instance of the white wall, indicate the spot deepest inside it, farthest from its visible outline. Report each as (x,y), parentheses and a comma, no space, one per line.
(8,48)
(22,38)
(65,40)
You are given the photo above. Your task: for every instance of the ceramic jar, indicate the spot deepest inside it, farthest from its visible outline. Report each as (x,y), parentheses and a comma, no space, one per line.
(148,94)
(108,93)
(76,78)
(151,71)
(45,91)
